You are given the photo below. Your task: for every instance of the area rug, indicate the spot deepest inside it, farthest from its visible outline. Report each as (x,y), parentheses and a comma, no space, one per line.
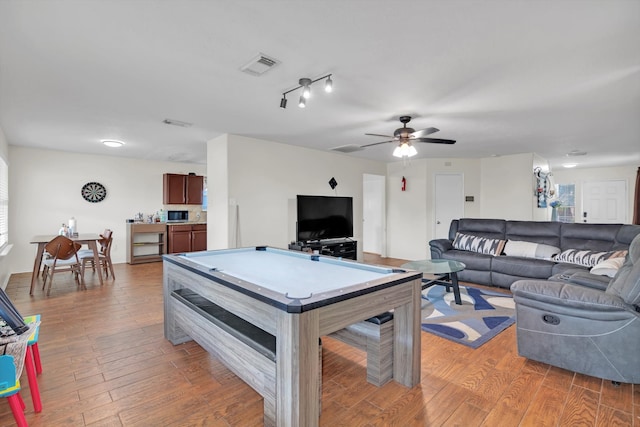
(482,315)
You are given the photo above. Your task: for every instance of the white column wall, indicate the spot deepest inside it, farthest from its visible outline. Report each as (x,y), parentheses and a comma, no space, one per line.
(218,230)
(44,191)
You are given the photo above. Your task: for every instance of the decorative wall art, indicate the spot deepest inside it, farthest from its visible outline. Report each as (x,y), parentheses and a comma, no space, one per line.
(544,187)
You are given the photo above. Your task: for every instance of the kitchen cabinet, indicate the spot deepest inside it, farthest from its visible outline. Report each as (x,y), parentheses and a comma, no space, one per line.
(182,189)
(187,238)
(146,242)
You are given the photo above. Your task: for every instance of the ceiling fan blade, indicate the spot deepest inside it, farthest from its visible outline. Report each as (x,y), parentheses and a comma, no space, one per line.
(435,140)
(375,143)
(377,134)
(425,132)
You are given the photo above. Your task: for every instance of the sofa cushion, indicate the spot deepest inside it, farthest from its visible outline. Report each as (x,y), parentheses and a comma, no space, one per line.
(530,250)
(592,237)
(522,267)
(608,267)
(471,260)
(478,244)
(491,228)
(547,233)
(585,257)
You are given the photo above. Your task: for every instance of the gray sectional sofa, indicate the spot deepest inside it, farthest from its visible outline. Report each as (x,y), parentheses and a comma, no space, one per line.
(542,240)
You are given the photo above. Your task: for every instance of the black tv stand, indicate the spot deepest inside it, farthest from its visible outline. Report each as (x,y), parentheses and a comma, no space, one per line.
(341,248)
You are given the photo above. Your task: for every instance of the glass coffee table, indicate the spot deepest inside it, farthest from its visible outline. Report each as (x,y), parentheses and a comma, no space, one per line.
(445,271)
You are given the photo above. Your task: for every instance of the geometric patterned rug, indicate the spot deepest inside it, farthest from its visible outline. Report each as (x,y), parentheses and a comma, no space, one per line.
(482,315)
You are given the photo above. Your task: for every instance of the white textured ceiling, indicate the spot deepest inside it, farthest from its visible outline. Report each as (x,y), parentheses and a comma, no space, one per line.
(500,76)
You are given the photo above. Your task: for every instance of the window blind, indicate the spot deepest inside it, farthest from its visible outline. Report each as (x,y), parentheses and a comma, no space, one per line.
(4,203)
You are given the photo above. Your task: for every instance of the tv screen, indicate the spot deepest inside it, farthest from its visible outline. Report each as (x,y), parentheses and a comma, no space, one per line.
(324,217)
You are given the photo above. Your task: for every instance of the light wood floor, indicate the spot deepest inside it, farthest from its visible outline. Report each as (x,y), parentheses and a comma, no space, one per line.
(106,363)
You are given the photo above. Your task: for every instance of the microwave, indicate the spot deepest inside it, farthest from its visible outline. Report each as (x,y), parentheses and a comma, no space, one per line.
(177,216)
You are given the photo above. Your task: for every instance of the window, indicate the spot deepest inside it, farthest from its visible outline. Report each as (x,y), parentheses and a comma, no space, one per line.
(4,203)
(567,196)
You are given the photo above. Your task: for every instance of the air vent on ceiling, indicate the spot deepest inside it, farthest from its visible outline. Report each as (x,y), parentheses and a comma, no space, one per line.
(259,65)
(347,148)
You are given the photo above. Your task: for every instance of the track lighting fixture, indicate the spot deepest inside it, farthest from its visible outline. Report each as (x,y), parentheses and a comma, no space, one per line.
(305,85)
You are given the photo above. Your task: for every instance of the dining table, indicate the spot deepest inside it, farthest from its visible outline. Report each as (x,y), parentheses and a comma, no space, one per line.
(89,239)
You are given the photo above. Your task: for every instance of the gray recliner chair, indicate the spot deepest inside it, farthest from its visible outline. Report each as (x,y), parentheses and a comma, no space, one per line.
(582,327)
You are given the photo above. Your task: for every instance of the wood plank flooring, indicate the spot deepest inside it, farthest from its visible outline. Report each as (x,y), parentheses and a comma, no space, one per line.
(106,363)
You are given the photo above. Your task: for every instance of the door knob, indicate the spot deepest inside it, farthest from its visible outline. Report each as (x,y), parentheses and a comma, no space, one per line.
(437,222)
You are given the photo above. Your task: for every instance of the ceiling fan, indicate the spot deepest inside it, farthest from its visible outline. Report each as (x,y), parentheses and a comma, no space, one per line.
(405,137)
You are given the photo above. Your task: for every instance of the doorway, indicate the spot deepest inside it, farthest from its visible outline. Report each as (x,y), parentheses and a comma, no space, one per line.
(604,202)
(448,202)
(374,214)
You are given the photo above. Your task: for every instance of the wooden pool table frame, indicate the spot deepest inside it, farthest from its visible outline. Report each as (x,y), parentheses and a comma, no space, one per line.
(290,391)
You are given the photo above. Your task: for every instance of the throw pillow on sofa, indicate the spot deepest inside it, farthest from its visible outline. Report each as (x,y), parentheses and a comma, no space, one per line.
(586,258)
(608,267)
(482,245)
(530,250)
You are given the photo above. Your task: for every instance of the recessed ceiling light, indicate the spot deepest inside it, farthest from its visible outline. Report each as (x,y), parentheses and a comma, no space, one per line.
(573,153)
(113,143)
(569,165)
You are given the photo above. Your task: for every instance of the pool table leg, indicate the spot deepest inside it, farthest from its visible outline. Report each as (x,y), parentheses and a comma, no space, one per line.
(406,338)
(297,369)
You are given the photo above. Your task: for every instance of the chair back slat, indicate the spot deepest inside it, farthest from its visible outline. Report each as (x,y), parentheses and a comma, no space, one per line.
(61,247)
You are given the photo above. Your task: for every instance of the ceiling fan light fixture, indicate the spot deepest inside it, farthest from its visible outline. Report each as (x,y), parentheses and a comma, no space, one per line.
(405,150)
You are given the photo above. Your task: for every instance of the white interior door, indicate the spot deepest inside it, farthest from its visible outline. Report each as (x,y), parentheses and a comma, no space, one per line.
(374,215)
(604,202)
(449,202)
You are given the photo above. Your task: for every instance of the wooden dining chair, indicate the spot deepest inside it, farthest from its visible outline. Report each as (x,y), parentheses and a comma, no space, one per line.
(104,255)
(63,257)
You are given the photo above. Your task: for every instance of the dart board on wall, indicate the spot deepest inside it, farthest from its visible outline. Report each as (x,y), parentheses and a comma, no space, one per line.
(94,192)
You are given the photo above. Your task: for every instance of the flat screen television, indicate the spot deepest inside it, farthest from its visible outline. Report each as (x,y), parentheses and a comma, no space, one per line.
(324,217)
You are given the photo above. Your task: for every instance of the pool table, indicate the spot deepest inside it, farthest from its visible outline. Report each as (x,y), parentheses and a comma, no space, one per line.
(296,297)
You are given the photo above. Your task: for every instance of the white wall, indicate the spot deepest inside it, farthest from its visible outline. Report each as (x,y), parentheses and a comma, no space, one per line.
(410,213)
(265,177)
(44,190)
(579,176)
(507,187)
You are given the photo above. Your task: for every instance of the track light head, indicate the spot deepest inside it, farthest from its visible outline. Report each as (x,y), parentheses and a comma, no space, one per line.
(328,85)
(306,87)
(303,102)
(283,102)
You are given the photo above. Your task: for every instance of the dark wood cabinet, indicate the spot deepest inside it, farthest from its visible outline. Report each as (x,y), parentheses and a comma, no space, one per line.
(182,189)
(199,238)
(187,238)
